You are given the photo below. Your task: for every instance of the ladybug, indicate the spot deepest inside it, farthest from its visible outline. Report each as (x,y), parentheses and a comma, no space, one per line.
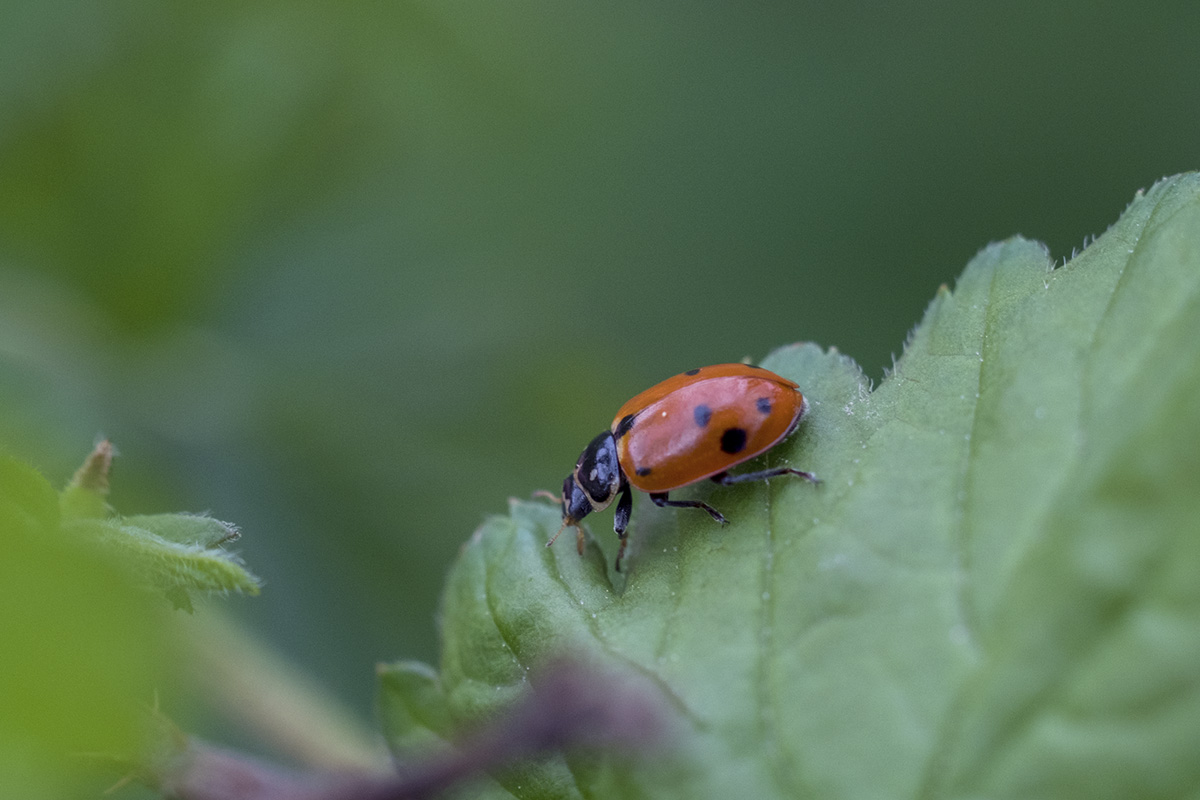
(693,426)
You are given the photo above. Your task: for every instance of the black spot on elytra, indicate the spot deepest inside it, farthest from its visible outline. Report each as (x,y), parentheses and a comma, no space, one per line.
(692,372)
(702,414)
(623,426)
(733,440)
(763,404)
(643,471)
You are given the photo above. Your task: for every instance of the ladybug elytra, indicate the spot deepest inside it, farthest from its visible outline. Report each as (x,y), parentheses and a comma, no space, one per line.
(694,426)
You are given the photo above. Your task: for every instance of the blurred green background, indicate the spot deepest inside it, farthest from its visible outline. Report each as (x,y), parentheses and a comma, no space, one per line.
(349,275)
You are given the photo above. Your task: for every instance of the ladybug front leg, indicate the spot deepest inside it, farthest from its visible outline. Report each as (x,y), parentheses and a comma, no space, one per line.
(621,521)
(660,500)
(725,479)
(624,510)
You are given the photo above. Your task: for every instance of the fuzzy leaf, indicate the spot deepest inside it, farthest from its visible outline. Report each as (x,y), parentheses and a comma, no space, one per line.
(79,648)
(173,553)
(175,567)
(188,529)
(994,593)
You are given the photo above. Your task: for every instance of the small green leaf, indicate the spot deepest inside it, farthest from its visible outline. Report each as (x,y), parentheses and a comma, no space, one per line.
(79,648)
(173,553)
(416,721)
(993,593)
(175,567)
(200,530)
(412,708)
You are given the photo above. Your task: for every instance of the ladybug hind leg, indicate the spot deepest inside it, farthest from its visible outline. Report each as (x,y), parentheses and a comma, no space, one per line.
(660,500)
(725,479)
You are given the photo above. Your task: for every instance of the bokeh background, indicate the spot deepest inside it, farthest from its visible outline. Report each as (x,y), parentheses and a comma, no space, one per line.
(350,275)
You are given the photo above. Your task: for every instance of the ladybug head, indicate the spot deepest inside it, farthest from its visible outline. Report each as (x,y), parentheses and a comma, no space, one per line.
(575,503)
(593,483)
(595,480)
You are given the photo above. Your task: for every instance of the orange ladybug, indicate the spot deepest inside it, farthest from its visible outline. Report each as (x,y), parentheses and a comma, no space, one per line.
(690,427)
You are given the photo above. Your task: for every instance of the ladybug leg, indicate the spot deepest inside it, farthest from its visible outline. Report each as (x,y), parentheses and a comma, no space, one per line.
(660,500)
(621,522)
(725,479)
(624,510)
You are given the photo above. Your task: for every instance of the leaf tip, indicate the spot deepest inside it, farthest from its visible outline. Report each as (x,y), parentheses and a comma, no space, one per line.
(93,474)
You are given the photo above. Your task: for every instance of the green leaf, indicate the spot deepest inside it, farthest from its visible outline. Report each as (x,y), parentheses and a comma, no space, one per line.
(199,530)
(80,650)
(177,565)
(173,553)
(994,593)
(416,720)
(27,501)
(412,707)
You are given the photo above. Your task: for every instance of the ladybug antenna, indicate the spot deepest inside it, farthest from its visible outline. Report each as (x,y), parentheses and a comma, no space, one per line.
(554,538)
